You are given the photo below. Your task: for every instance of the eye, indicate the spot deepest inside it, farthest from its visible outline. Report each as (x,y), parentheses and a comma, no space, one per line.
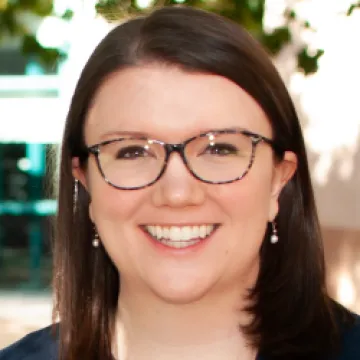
(133,152)
(221,149)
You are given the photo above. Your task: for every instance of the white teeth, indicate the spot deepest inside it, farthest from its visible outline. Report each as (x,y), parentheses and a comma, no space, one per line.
(158,232)
(179,237)
(179,244)
(175,233)
(203,231)
(166,233)
(187,233)
(151,230)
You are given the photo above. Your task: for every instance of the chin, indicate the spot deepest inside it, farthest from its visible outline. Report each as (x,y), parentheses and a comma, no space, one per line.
(180,299)
(180,295)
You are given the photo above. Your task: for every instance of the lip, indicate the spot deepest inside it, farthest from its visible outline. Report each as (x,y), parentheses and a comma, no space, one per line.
(182,251)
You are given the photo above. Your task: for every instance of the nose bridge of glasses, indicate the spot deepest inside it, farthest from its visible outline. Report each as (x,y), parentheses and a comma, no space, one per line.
(176,148)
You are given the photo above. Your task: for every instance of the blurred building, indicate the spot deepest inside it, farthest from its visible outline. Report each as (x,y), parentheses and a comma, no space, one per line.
(26,203)
(33,106)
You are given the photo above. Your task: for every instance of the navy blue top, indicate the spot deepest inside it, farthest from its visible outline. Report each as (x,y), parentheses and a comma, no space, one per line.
(41,345)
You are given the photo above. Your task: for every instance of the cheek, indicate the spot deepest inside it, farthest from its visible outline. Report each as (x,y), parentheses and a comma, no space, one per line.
(114,213)
(245,200)
(108,204)
(246,205)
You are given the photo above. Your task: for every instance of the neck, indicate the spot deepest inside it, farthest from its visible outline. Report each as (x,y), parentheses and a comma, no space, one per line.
(207,329)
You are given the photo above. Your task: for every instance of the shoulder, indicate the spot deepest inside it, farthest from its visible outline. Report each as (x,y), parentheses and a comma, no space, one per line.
(39,345)
(349,326)
(350,349)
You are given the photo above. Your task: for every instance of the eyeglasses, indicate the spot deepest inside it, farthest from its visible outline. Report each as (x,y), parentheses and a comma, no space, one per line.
(215,157)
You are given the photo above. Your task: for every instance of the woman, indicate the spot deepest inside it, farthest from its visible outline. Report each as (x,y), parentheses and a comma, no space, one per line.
(187,227)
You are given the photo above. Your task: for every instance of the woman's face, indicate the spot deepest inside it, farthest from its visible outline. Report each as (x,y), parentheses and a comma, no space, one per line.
(171,105)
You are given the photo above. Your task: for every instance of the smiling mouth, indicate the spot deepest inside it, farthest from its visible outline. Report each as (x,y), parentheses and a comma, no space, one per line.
(180,237)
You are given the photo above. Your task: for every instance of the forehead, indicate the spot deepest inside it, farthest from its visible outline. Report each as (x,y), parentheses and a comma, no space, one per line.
(170,104)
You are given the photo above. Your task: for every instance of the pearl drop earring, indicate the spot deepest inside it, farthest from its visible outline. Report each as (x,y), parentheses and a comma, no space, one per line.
(274,238)
(96,240)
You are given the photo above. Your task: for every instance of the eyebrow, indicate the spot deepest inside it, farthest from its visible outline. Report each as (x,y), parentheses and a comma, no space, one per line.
(118,133)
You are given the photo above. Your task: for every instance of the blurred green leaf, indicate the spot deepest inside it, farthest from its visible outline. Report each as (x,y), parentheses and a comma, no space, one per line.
(8,23)
(352,8)
(48,57)
(68,15)
(248,13)
(309,63)
(275,41)
(38,7)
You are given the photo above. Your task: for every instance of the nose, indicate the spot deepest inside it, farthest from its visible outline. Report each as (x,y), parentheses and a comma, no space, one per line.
(177,187)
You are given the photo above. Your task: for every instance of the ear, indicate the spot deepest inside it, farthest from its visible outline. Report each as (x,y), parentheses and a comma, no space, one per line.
(284,171)
(78,172)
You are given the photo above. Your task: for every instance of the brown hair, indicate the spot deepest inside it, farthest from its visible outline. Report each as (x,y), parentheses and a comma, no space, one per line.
(293,315)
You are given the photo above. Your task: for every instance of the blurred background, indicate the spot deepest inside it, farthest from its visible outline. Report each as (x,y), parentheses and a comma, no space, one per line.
(45,43)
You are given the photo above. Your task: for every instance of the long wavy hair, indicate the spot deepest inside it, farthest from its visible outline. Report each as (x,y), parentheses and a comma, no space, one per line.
(293,316)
